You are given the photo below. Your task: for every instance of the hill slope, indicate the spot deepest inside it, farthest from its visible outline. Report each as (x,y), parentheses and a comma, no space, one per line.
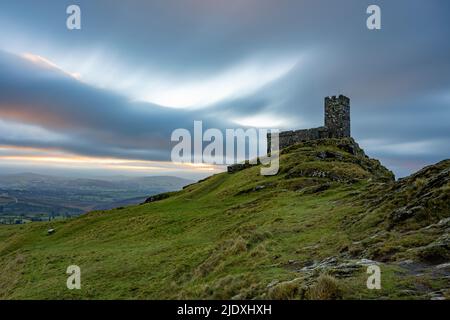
(308,232)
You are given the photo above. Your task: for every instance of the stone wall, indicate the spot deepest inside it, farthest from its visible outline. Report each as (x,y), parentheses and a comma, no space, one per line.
(337,124)
(287,138)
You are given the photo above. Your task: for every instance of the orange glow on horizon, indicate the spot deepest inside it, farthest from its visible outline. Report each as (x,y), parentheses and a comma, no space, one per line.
(24,155)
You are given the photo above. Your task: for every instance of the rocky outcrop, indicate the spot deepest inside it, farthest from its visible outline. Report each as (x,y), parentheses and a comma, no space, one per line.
(238,167)
(423,197)
(158,197)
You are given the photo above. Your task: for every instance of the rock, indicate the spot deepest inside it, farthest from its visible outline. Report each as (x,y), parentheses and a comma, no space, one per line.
(438,298)
(326,263)
(404,213)
(406,262)
(366,262)
(157,197)
(272,283)
(378,234)
(441,224)
(238,167)
(437,295)
(316,189)
(328,155)
(253,189)
(342,269)
(422,197)
(444,222)
(313,247)
(345,270)
(443,266)
(407,292)
(437,251)
(347,148)
(322,187)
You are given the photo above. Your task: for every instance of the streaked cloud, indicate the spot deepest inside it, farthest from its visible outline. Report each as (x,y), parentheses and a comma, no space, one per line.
(240,80)
(28,156)
(47,63)
(117,88)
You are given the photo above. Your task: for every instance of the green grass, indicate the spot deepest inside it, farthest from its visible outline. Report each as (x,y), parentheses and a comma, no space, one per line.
(217,239)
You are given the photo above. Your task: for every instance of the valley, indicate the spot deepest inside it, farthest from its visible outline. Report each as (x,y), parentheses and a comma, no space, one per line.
(30,197)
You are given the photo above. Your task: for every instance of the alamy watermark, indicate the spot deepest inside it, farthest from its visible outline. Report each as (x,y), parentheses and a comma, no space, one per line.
(374,280)
(240,145)
(74,279)
(374,20)
(73,21)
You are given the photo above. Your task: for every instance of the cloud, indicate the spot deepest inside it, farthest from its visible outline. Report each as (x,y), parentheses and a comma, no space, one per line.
(94,121)
(113,88)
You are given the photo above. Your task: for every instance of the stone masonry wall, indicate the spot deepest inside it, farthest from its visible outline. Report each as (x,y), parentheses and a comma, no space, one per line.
(337,124)
(337,116)
(287,138)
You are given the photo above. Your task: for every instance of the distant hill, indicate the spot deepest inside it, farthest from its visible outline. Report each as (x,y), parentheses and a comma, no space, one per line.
(38,197)
(32,180)
(309,232)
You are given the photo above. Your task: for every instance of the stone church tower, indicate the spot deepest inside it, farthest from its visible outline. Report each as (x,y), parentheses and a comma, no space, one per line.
(337,125)
(337,116)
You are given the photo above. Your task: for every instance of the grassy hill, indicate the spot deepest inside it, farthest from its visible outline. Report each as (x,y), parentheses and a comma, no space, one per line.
(307,233)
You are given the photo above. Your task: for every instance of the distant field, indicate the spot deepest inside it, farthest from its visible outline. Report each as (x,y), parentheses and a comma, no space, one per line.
(31,197)
(7,200)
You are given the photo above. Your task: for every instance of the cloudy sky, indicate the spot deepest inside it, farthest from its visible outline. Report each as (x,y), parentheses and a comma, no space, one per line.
(106,98)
